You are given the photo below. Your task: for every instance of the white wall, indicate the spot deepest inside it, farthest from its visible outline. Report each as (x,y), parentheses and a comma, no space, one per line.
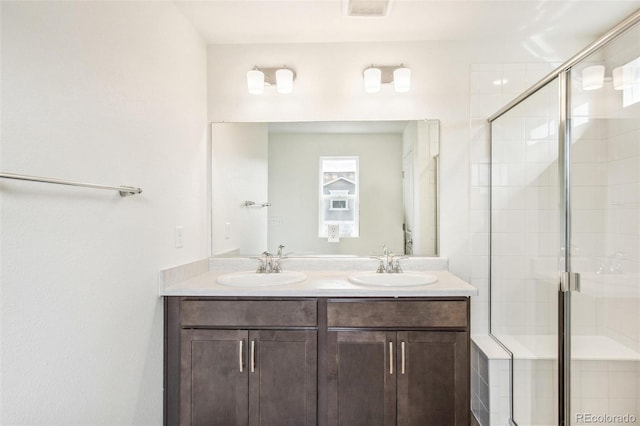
(293,191)
(239,173)
(329,87)
(106,92)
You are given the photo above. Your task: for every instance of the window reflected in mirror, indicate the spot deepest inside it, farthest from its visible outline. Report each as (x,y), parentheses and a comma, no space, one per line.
(338,201)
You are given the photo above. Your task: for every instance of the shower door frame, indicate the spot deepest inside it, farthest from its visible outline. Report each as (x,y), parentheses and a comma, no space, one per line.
(567,279)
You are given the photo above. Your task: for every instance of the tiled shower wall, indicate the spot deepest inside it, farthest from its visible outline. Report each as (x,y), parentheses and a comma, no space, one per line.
(606,242)
(524,234)
(606,217)
(610,387)
(619,311)
(605,231)
(492,86)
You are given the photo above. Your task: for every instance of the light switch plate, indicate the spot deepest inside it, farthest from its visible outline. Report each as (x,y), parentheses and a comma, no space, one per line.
(179,236)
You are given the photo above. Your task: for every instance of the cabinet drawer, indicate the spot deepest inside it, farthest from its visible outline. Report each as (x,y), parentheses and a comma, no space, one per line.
(384,314)
(257,313)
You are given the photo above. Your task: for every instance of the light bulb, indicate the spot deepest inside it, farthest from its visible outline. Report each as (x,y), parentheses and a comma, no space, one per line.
(402,79)
(593,77)
(284,80)
(255,82)
(372,79)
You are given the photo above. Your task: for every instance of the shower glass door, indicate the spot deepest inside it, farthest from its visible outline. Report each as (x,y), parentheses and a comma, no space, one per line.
(565,238)
(526,251)
(605,234)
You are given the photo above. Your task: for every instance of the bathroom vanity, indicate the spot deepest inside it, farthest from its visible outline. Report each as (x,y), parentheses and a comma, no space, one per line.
(320,352)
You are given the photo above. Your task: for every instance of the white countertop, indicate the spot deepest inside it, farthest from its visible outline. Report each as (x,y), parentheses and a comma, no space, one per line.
(320,283)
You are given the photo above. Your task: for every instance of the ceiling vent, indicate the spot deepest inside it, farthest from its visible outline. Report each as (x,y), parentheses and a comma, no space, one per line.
(366,8)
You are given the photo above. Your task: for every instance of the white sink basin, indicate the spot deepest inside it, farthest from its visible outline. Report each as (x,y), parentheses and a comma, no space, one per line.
(403,279)
(253,279)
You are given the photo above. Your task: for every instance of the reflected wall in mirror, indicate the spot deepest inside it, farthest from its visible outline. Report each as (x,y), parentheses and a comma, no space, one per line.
(325,188)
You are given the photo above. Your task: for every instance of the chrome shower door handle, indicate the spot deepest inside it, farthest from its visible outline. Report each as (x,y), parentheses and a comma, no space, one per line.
(569,281)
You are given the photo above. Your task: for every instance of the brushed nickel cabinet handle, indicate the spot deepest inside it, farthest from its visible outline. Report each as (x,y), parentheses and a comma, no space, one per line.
(253,356)
(240,355)
(390,357)
(403,356)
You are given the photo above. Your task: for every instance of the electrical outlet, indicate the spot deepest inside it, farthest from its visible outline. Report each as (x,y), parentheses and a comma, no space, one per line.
(227,230)
(179,236)
(333,232)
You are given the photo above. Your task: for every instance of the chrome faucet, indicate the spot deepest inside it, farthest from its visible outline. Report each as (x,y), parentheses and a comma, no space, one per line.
(270,263)
(389,263)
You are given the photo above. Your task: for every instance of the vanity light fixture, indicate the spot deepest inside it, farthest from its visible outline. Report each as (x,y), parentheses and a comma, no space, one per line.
(282,78)
(593,77)
(375,76)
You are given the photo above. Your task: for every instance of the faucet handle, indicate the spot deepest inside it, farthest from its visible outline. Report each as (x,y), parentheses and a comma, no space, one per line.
(380,259)
(261,266)
(277,267)
(397,268)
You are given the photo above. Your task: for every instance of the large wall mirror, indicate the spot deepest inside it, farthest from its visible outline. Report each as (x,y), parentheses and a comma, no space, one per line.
(325,188)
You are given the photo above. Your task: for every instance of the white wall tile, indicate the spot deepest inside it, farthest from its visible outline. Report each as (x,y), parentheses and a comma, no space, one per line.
(623,407)
(595,405)
(623,146)
(595,384)
(516,78)
(622,385)
(479,198)
(479,221)
(483,81)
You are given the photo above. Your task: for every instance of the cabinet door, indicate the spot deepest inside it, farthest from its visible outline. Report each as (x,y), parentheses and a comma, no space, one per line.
(214,380)
(282,378)
(362,378)
(433,379)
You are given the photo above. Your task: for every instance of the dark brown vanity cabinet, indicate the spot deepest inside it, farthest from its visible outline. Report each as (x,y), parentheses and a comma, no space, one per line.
(413,370)
(241,365)
(330,362)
